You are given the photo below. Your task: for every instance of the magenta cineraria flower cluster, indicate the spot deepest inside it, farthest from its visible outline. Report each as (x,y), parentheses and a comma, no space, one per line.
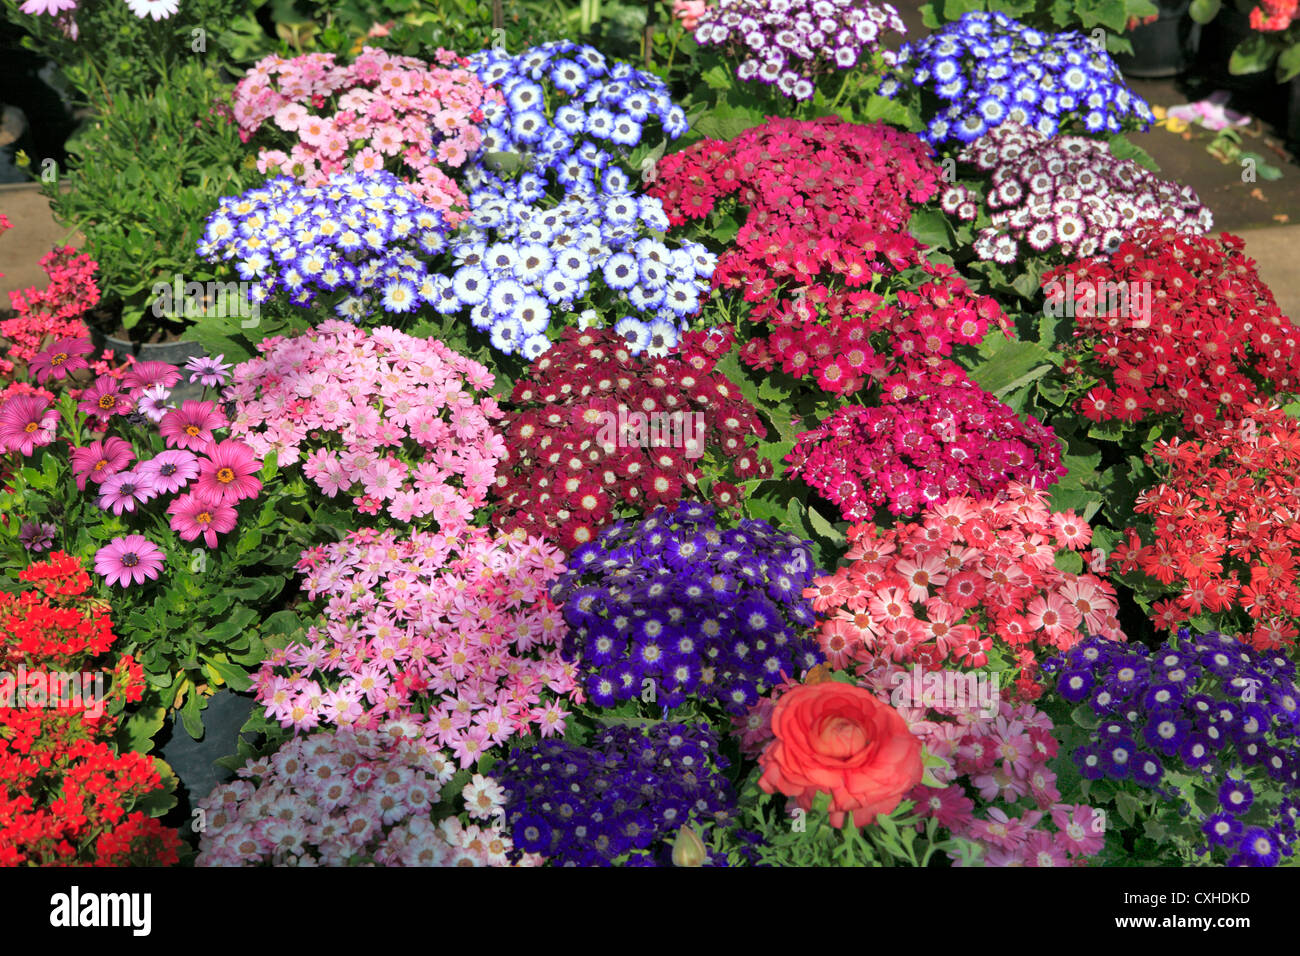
(456,632)
(1069,193)
(384,417)
(931,440)
(351,797)
(790,43)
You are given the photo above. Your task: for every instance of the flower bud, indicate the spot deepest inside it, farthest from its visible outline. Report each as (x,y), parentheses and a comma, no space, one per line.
(688,849)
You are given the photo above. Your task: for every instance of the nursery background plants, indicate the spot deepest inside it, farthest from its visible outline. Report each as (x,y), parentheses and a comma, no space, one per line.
(617,433)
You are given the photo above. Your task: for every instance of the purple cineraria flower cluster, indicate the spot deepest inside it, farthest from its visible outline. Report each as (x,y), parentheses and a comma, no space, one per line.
(1069,192)
(790,43)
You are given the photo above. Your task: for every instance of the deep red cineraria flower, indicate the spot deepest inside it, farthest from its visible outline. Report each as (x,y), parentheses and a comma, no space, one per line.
(1225,539)
(1173,324)
(826,207)
(595,433)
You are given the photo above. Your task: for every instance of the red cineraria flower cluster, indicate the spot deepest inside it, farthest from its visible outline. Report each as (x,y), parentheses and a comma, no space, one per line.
(943,588)
(828,210)
(53,312)
(933,438)
(1226,528)
(63,788)
(595,430)
(1173,323)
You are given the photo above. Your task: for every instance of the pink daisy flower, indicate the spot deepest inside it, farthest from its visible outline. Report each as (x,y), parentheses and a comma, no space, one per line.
(170,470)
(60,359)
(144,375)
(190,426)
(26,423)
(121,491)
(227,474)
(152,403)
(104,399)
(194,515)
(130,559)
(100,459)
(210,372)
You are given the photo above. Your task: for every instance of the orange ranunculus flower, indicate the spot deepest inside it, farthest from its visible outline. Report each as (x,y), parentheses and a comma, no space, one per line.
(842,740)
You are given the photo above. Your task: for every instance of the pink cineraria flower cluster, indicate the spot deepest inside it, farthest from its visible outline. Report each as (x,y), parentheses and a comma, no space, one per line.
(968,572)
(351,797)
(1067,193)
(410,117)
(456,632)
(384,417)
(999,792)
(934,437)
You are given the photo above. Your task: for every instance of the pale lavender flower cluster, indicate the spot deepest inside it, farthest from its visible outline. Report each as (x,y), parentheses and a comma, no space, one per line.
(1070,193)
(790,43)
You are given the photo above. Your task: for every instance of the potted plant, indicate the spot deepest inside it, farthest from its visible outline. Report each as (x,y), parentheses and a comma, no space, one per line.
(1164,43)
(1259,38)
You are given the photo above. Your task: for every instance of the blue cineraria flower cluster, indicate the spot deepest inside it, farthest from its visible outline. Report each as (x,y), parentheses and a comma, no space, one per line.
(991,69)
(569,115)
(355,238)
(1208,712)
(625,795)
(518,263)
(691,608)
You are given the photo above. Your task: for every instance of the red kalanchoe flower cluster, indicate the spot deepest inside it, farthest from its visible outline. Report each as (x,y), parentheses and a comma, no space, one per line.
(597,433)
(62,785)
(933,438)
(1226,537)
(938,592)
(828,210)
(1173,323)
(1272,16)
(51,313)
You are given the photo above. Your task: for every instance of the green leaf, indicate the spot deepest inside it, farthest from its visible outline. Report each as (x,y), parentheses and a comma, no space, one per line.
(1127,805)
(930,227)
(1288,64)
(234,675)
(1012,363)
(1252,55)
(158,802)
(1069,561)
(231,626)
(1121,147)
(1203,11)
(190,713)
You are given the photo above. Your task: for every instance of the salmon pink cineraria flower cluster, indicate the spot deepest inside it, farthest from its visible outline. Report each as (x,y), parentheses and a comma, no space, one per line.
(1225,541)
(594,431)
(790,44)
(350,797)
(396,107)
(966,574)
(931,439)
(681,605)
(827,205)
(386,418)
(1193,330)
(1069,195)
(455,632)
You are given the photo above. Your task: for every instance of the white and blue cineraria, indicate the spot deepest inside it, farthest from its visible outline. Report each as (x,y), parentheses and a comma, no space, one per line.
(353,235)
(991,69)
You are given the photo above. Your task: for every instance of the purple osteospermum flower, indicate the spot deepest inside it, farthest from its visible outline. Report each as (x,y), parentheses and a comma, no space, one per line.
(152,402)
(104,399)
(130,559)
(171,470)
(121,491)
(60,359)
(26,423)
(209,371)
(37,536)
(144,375)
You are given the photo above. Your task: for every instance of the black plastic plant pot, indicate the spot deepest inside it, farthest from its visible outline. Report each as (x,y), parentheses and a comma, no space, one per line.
(174,353)
(1164,48)
(1221,37)
(1293,112)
